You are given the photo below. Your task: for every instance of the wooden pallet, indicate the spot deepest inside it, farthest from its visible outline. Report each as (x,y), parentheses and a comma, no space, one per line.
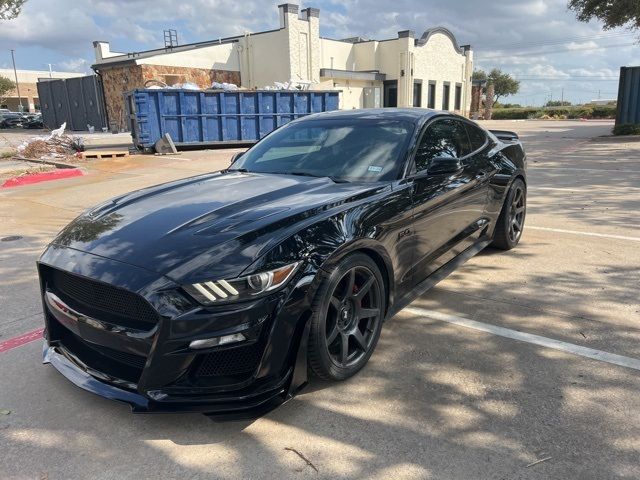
(102,154)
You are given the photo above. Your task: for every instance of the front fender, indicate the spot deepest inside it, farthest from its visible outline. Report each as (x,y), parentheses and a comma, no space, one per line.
(326,243)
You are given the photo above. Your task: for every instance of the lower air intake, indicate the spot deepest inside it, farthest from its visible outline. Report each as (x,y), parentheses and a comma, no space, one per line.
(233,361)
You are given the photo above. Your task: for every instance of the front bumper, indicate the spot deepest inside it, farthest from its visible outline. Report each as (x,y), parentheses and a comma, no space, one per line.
(246,405)
(152,369)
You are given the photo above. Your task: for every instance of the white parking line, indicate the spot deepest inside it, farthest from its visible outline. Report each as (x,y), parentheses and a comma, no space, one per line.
(586,169)
(586,234)
(529,338)
(563,189)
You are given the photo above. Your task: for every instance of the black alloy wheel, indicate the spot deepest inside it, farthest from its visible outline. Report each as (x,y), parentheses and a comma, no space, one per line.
(511,221)
(516,214)
(348,315)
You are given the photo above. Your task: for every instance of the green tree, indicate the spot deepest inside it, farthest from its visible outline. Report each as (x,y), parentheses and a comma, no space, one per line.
(503,83)
(613,13)
(479,75)
(10,9)
(558,103)
(6,86)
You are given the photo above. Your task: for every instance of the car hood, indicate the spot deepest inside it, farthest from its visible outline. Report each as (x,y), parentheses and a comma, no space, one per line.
(207,227)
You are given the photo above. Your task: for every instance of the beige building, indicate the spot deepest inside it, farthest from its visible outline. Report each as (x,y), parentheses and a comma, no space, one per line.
(430,71)
(27,80)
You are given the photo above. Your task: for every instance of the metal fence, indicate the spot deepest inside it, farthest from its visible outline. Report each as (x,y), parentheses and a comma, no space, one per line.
(629,96)
(77,101)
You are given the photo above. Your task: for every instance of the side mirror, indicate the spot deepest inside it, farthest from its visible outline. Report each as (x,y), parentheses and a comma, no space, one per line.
(440,165)
(236,156)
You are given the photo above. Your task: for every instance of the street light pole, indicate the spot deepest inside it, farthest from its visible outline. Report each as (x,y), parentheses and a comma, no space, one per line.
(15,73)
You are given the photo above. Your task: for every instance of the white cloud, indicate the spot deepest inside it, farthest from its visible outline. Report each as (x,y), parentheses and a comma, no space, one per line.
(523,37)
(80,65)
(581,45)
(62,25)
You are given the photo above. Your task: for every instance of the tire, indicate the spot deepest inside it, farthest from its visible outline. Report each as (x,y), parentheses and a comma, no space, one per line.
(511,220)
(348,312)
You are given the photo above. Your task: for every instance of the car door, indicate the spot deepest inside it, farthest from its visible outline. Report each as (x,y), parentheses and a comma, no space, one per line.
(448,206)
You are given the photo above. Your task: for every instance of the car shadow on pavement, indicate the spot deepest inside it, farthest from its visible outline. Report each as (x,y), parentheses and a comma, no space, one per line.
(435,399)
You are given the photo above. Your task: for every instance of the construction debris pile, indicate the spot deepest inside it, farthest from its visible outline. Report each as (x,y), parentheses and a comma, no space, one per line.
(292,84)
(55,145)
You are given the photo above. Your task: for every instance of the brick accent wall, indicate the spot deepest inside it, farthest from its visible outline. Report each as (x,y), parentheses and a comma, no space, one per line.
(118,80)
(476,93)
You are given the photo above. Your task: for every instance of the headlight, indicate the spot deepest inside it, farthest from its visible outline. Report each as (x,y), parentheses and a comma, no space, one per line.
(243,288)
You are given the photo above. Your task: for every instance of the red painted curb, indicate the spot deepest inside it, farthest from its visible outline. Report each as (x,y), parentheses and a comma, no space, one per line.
(21,340)
(42,177)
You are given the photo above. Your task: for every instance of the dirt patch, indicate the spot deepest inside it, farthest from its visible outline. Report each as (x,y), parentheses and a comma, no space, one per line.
(28,170)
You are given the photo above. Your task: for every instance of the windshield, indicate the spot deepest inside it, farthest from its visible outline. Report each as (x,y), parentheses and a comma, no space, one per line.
(367,150)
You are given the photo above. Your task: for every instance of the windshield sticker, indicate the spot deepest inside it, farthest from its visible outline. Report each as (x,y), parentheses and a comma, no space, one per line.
(373,168)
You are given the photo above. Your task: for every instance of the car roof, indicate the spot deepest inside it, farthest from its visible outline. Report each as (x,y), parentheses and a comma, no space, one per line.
(406,114)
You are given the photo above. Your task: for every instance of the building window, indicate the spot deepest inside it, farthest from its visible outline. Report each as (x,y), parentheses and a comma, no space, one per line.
(458,99)
(446,94)
(391,93)
(431,95)
(417,93)
(371,97)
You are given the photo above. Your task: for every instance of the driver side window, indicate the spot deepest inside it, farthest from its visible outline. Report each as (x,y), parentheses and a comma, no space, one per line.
(443,138)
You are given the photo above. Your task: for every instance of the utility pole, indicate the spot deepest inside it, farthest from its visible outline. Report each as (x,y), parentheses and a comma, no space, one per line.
(15,73)
(562,98)
(50,71)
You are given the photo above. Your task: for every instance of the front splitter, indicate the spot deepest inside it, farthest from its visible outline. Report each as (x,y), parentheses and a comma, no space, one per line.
(229,408)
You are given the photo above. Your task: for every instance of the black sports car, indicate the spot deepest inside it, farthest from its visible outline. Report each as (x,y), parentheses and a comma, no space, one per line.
(218,293)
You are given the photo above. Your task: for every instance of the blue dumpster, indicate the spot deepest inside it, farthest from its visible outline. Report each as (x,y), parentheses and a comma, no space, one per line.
(194,118)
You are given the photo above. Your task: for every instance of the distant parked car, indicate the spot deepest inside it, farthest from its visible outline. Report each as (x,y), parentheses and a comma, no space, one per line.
(9,119)
(33,121)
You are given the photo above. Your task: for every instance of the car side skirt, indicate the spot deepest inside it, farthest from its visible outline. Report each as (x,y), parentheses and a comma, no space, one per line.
(437,276)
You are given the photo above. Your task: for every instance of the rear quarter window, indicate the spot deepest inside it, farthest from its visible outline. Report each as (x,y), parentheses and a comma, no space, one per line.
(477,137)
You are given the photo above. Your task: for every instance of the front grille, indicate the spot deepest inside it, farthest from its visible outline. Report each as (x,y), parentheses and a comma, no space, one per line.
(233,361)
(118,364)
(131,359)
(102,301)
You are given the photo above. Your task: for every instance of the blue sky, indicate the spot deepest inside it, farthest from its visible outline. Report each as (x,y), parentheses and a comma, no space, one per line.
(538,41)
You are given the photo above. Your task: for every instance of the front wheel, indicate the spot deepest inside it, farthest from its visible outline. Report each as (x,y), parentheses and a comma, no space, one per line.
(511,220)
(347,318)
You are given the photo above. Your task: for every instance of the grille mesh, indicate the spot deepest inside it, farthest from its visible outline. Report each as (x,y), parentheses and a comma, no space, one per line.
(97,299)
(233,361)
(122,365)
(130,359)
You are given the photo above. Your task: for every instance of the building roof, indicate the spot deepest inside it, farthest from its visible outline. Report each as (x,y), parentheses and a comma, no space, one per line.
(32,76)
(131,57)
(419,42)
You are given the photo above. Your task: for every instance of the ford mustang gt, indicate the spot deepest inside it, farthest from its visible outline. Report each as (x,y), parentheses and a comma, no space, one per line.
(221,292)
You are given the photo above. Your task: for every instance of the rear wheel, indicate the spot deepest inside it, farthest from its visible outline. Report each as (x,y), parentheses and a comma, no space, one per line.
(511,220)
(347,318)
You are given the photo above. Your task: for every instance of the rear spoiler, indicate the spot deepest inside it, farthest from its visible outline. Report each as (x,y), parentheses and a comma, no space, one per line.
(505,135)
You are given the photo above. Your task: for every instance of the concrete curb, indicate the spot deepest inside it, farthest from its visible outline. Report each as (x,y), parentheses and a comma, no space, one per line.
(45,162)
(32,178)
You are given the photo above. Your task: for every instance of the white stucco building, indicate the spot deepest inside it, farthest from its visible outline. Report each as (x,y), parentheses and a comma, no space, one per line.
(429,71)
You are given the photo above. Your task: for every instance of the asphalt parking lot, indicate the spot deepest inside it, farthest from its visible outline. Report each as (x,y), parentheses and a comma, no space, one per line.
(524,364)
